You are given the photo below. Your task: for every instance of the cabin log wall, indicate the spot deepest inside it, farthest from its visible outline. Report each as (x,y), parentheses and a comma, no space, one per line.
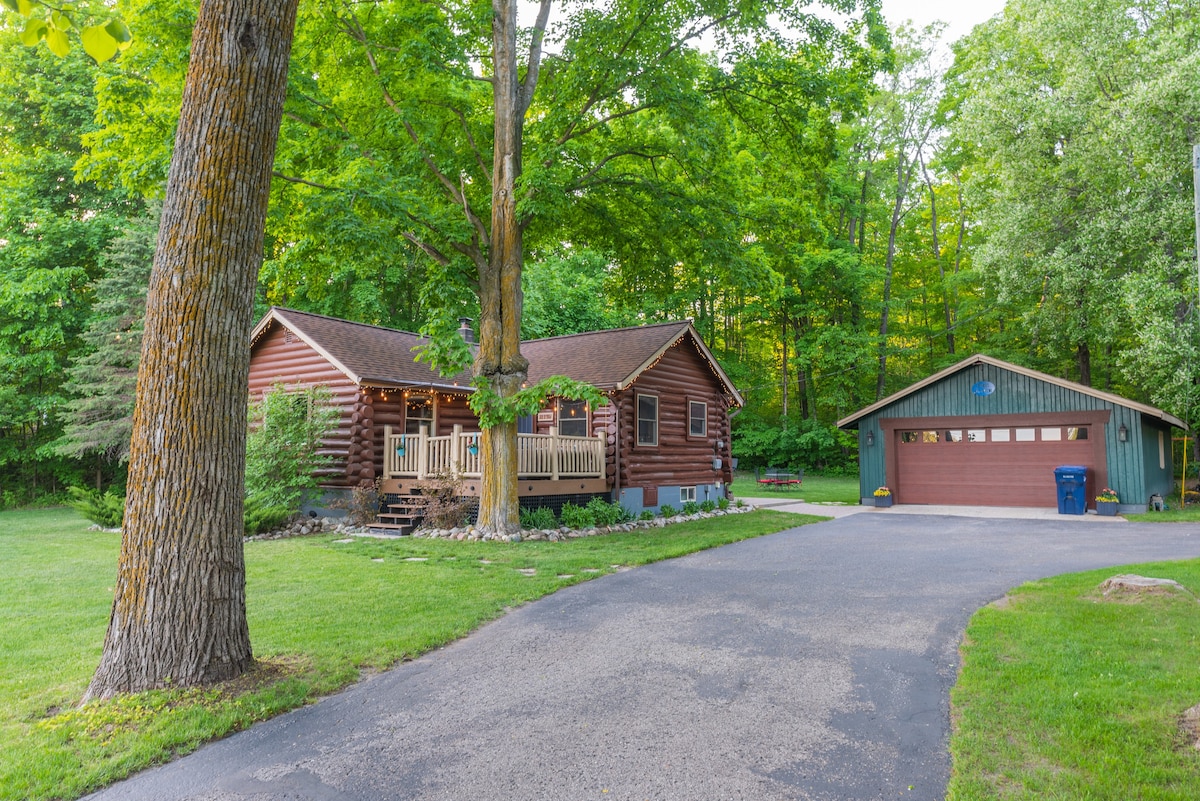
(282,358)
(682,375)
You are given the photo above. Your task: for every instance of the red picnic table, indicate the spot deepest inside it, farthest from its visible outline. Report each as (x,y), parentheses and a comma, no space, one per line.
(780,479)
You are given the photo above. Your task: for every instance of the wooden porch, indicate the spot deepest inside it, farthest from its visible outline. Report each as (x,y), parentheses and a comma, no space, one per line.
(547,464)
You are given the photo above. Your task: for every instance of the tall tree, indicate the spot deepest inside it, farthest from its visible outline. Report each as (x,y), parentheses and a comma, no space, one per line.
(179,612)
(509,139)
(1080,117)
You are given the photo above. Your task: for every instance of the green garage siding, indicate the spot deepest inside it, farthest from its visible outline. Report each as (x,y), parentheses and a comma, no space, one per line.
(1133,467)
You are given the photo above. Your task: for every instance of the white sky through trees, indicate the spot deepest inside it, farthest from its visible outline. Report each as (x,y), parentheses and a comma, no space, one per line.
(960,15)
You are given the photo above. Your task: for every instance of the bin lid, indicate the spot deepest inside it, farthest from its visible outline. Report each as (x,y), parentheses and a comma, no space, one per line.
(1070,468)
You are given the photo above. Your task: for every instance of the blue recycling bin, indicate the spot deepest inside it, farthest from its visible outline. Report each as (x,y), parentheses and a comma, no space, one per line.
(1071,480)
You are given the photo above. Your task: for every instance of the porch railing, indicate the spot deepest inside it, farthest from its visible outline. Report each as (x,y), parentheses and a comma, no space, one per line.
(549,456)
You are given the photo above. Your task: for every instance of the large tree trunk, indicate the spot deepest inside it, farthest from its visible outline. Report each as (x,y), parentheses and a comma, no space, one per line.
(500,361)
(179,612)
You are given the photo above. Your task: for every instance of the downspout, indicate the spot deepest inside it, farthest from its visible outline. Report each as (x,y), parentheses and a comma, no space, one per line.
(617,451)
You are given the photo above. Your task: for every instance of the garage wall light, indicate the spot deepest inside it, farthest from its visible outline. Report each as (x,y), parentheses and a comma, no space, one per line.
(870,438)
(1123,433)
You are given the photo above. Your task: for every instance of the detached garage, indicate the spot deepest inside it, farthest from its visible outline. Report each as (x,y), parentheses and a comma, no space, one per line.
(988,433)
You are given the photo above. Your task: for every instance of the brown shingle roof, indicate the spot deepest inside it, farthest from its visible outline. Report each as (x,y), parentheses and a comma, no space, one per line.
(368,354)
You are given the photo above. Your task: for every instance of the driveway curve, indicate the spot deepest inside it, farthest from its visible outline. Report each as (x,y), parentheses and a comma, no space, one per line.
(811,664)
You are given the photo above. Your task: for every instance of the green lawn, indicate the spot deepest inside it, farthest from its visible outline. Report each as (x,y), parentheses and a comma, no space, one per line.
(320,612)
(814,489)
(1065,695)
(1188,514)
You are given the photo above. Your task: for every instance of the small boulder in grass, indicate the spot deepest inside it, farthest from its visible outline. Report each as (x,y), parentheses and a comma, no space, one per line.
(1189,726)
(1129,584)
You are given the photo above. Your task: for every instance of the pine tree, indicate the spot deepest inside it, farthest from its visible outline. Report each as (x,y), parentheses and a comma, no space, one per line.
(99,418)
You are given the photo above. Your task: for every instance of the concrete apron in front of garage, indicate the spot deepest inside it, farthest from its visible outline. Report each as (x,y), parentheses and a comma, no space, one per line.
(1012,512)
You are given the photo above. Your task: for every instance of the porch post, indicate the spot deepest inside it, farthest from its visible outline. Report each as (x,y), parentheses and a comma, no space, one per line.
(389,453)
(423,453)
(554,468)
(601,445)
(456,466)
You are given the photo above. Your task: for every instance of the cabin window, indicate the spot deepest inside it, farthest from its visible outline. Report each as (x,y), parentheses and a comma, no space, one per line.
(687,494)
(647,419)
(525,424)
(418,411)
(697,419)
(572,418)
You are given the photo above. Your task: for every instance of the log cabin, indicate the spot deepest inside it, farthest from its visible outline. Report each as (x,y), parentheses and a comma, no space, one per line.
(663,437)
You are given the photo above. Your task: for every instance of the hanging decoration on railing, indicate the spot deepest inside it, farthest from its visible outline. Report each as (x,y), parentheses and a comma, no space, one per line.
(400,447)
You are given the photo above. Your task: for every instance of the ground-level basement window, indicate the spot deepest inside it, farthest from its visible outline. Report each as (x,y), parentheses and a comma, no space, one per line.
(687,494)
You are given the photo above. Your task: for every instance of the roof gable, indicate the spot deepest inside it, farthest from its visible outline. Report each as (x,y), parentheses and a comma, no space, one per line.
(366,354)
(848,422)
(614,359)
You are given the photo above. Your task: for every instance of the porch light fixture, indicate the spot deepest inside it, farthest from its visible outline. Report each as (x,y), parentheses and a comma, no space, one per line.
(1123,433)
(870,439)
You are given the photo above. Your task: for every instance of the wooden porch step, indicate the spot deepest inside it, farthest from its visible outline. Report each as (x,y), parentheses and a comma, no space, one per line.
(396,518)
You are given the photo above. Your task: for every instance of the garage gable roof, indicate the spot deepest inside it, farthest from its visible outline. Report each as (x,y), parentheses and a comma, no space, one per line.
(849,422)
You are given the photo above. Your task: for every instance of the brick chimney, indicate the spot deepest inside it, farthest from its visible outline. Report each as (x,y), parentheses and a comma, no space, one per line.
(465,331)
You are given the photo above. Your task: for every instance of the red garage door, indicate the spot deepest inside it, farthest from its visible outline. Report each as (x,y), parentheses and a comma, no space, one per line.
(992,466)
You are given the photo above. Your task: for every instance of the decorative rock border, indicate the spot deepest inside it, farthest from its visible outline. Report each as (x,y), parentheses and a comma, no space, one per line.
(302,526)
(473,534)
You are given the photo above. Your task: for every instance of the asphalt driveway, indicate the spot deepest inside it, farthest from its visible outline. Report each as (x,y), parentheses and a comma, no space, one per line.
(811,664)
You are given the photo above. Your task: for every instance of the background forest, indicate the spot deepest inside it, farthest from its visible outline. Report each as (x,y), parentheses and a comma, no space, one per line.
(840,219)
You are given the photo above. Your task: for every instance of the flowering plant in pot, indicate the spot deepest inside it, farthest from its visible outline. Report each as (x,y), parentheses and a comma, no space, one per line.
(883,497)
(1106,502)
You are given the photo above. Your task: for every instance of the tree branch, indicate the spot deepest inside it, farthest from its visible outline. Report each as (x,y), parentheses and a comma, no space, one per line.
(294,180)
(529,85)
(356,31)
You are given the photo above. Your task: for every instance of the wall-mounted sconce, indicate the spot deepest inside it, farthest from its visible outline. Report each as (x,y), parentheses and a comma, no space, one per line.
(870,438)
(1123,433)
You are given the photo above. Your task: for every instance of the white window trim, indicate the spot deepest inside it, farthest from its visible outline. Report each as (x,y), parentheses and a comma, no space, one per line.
(637,432)
(587,414)
(704,417)
(433,409)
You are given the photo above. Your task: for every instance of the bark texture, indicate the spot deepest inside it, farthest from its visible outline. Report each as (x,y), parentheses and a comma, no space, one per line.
(500,361)
(179,612)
